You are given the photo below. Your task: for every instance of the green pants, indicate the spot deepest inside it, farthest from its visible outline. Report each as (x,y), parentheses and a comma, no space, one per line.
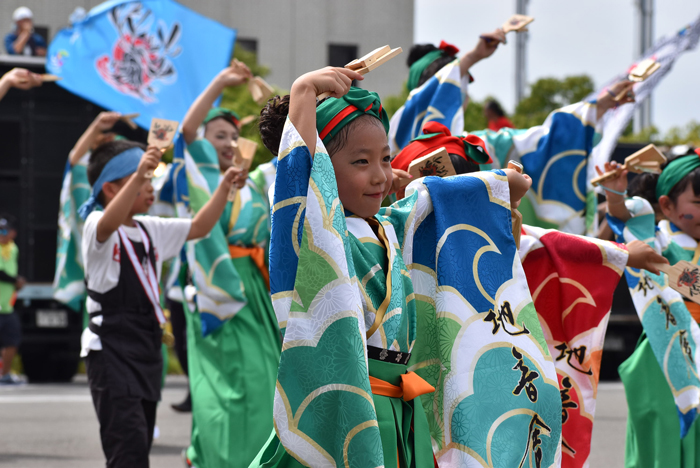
(232,374)
(403,428)
(653,427)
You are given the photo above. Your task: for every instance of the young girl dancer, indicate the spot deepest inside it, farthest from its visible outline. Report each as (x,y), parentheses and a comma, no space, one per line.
(232,360)
(400,324)
(660,431)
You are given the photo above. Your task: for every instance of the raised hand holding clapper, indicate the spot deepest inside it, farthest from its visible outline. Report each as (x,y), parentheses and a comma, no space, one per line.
(369,62)
(647,159)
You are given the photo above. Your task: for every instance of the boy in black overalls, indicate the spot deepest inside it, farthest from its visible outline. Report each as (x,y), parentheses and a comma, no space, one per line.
(123,256)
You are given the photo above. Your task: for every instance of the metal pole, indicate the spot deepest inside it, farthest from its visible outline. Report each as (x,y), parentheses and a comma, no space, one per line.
(645,38)
(520,55)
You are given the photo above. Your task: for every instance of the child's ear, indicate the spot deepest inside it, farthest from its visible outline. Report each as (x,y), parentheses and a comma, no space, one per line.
(667,206)
(110,190)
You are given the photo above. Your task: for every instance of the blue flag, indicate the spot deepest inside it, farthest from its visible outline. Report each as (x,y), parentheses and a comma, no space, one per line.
(153,57)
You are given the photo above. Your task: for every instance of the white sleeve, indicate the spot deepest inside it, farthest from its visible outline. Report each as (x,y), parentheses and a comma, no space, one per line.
(101,259)
(168,234)
(464,85)
(91,248)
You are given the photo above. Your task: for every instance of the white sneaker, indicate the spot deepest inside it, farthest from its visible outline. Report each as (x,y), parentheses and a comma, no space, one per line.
(11,379)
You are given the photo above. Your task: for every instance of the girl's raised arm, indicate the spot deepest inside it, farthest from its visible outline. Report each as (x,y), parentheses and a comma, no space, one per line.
(235,75)
(615,190)
(302,105)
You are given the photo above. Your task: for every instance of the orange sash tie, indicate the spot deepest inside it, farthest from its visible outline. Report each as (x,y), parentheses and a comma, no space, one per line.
(412,385)
(694,310)
(256,254)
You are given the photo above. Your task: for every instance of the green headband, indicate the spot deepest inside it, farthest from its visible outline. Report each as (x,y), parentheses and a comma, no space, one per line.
(224,113)
(674,173)
(335,113)
(419,66)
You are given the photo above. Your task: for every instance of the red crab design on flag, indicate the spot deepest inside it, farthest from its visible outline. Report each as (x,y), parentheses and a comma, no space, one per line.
(140,58)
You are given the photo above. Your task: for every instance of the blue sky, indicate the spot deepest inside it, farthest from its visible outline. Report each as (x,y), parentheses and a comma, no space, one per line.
(568,37)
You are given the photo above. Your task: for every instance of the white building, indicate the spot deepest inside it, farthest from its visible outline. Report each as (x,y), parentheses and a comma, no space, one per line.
(290,37)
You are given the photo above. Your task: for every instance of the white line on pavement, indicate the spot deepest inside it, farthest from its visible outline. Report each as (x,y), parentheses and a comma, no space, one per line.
(45,399)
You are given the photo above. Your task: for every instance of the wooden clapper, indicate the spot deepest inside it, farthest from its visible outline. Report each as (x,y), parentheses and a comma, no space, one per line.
(243,154)
(647,159)
(639,73)
(517,23)
(437,163)
(515,216)
(684,277)
(161,135)
(45,78)
(369,62)
(126,118)
(247,119)
(260,90)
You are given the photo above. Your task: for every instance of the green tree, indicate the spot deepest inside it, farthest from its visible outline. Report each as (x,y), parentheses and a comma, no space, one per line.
(474,118)
(648,134)
(392,103)
(685,135)
(690,134)
(549,94)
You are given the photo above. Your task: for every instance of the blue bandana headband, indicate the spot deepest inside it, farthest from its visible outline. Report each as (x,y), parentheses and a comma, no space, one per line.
(122,165)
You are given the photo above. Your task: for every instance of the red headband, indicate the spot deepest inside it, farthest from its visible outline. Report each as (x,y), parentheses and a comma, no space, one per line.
(449,49)
(424,145)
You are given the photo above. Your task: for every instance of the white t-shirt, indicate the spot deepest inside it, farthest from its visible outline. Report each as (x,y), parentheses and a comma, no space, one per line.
(102,262)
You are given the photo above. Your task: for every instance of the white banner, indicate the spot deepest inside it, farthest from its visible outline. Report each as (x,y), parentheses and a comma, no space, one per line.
(665,51)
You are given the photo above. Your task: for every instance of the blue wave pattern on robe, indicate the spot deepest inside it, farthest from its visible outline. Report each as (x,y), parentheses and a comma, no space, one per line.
(476,337)
(554,155)
(438,100)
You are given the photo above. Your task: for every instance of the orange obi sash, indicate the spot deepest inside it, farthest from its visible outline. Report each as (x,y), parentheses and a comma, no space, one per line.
(256,254)
(412,386)
(694,310)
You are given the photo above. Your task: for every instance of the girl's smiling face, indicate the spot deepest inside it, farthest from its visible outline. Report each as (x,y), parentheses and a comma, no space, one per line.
(363,167)
(220,134)
(685,213)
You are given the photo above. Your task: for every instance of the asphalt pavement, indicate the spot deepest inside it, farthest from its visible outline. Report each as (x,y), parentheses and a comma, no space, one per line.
(54,426)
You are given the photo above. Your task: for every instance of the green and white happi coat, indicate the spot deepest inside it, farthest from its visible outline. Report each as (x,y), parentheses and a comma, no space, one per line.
(194,176)
(69,279)
(670,329)
(450,290)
